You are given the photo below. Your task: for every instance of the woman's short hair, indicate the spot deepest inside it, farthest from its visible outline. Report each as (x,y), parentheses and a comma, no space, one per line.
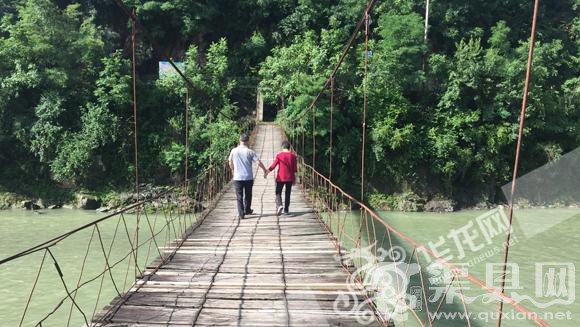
(285,145)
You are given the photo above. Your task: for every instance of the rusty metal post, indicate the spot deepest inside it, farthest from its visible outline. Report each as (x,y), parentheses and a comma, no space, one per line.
(314,137)
(135,135)
(330,141)
(517,158)
(364,119)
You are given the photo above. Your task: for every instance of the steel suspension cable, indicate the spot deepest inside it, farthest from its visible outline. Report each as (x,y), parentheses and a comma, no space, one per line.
(314,137)
(302,128)
(32,289)
(186,180)
(330,129)
(135,22)
(157,48)
(364,119)
(61,277)
(343,55)
(506,244)
(330,82)
(135,135)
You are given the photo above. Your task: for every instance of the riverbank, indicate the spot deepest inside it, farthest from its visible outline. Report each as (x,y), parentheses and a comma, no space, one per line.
(110,200)
(411,202)
(103,201)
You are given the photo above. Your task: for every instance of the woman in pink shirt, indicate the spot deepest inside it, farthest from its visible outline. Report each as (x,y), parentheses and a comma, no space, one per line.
(286,177)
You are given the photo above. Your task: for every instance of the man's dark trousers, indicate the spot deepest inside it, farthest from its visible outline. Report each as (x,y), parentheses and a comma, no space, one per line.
(244,196)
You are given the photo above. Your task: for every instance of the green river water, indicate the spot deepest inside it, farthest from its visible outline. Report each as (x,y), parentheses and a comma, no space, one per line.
(549,236)
(22,229)
(542,238)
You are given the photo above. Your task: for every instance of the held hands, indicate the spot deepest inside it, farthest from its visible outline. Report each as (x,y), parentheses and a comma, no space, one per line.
(266,172)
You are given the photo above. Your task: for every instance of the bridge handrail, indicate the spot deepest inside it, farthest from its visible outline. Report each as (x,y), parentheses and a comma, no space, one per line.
(180,209)
(458,272)
(57,239)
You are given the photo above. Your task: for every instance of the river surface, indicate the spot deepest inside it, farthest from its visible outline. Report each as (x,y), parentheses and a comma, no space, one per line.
(545,253)
(543,238)
(22,229)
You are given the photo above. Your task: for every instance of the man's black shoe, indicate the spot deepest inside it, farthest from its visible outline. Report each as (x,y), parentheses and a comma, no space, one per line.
(249,212)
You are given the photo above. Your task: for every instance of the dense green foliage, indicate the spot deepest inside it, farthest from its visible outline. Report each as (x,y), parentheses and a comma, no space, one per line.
(66,99)
(443,113)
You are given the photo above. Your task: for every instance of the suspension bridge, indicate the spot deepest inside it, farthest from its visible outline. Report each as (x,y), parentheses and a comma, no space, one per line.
(265,270)
(182,258)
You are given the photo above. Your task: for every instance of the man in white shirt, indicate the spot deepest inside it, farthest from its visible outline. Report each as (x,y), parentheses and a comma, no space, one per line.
(240,160)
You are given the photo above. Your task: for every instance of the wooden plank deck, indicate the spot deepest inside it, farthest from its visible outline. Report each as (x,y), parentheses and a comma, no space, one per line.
(262,271)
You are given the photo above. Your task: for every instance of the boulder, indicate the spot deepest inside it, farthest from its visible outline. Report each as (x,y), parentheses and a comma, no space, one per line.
(440,205)
(126,198)
(483,205)
(40,203)
(10,200)
(198,207)
(88,202)
(54,206)
(29,205)
(411,203)
(103,209)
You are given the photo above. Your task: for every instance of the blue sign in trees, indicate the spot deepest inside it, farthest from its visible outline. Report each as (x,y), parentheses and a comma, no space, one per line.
(166,70)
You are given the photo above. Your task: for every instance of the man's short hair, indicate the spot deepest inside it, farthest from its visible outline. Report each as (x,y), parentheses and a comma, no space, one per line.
(285,145)
(244,138)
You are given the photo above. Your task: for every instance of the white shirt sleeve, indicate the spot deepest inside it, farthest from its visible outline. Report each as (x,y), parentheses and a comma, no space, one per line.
(255,156)
(231,154)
